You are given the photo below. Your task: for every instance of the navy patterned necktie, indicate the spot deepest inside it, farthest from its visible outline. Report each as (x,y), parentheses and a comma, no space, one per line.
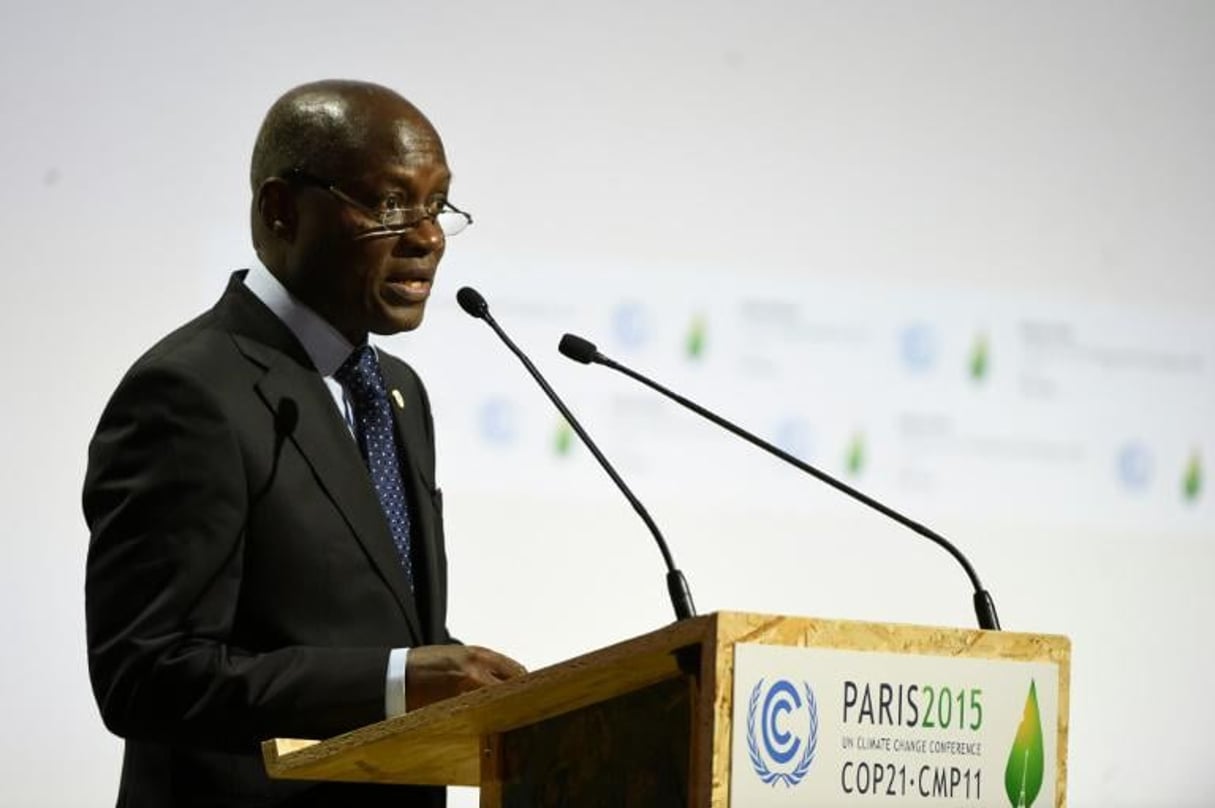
(373,426)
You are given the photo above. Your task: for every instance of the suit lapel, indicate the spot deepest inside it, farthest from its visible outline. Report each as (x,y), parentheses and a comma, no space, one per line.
(420,488)
(323,439)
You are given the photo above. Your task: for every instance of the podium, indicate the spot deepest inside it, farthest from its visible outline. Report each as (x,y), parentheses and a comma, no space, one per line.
(740,709)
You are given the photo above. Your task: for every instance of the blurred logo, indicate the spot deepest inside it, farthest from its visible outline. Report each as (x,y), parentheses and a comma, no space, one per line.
(631,325)
(1134,466)
(1191,484)
(782,731)
(563,438)
(795,437)
(498,422)
(855,459)
(919,346)
(979,364)
(694,344)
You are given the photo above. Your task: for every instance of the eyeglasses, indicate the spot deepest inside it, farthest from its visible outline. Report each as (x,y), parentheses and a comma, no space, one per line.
(394,219)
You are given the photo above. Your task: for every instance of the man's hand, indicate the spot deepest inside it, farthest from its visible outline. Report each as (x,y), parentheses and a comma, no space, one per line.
(436,672)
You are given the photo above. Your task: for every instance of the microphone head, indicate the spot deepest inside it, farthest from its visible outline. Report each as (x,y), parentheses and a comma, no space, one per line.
(471,301)
(578,349)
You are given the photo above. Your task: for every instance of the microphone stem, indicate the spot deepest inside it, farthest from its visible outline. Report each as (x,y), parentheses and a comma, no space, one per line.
(677,586)
(984,605)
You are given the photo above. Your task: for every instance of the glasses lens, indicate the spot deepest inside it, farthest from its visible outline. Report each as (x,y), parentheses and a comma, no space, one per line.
(451,222)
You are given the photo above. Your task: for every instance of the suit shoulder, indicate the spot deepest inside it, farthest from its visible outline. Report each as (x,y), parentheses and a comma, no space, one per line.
(198,366)
(202,349)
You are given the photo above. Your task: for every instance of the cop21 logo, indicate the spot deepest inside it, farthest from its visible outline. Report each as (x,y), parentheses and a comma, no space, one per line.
(779,753)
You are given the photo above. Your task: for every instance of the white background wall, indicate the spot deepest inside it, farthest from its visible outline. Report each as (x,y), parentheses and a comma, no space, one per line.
(982,164)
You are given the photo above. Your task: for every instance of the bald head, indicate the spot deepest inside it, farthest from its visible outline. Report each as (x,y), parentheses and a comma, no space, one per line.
(325,126)
(333,160)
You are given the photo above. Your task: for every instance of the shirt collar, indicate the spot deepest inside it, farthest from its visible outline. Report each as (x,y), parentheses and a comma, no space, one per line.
(324,344)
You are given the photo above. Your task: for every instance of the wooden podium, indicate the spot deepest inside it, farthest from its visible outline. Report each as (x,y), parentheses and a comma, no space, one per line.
(647,722)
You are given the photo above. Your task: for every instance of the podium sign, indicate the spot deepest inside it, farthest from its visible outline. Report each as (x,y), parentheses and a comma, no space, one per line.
(820,726)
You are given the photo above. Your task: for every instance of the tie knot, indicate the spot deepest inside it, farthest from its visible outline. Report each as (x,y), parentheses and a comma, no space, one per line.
(361,372)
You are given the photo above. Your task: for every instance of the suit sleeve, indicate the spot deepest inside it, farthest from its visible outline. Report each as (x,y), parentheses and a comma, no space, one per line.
(166,498)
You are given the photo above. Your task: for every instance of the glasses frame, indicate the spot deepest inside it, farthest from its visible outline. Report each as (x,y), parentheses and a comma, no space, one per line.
(416,215)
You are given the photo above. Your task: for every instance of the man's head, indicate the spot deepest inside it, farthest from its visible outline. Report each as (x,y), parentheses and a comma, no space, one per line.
(331,159)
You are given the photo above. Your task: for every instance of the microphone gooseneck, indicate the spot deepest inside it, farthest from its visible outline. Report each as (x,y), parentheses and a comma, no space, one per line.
(677,586)
(584,351)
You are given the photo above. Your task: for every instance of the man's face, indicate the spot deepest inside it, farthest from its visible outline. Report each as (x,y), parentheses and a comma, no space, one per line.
(359,279)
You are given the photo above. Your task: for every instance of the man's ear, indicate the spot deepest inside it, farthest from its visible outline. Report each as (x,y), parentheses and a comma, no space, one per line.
(276,209)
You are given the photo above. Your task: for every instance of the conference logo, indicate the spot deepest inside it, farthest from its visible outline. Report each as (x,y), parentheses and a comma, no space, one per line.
(919,347)
(631,325)
(979,363)
(854,455)
(498,421)
(794,435)
(1026,760)
(695,341)
(1135,466)
(782,731)
(563,438)
(1191,482)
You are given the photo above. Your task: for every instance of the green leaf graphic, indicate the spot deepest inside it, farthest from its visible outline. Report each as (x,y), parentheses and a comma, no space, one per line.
(1023,774)
(855,460)
(1191,485)
(697,334)
(563,441)
(979,359)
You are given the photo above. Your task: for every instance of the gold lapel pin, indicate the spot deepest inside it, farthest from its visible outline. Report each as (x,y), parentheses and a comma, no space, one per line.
(398,398)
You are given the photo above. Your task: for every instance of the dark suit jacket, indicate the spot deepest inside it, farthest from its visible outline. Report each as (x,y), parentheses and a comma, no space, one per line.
(242,582)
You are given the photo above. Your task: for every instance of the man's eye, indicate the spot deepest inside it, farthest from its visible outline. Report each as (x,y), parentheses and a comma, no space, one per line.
(393,202)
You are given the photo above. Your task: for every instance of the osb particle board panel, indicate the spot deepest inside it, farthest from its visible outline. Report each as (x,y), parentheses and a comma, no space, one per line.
(442,743)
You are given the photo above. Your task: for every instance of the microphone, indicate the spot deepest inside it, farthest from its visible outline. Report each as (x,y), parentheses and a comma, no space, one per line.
(677,586)
(581,350)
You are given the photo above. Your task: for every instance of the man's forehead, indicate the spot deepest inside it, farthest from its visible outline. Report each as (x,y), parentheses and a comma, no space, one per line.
(416,138)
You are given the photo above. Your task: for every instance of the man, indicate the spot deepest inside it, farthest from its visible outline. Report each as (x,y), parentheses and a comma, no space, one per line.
(267,550)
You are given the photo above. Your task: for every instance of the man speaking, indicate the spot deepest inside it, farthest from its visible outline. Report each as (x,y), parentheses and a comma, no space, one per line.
(267,554)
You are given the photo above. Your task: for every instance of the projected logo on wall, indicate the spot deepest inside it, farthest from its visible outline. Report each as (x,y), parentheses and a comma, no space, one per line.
(795,437)
(855,456)
(498,422)
(697,339)
(1191,485)
(918,346)
(1134,466)
(631,325)
(563,438)
(979,364)
(782,731)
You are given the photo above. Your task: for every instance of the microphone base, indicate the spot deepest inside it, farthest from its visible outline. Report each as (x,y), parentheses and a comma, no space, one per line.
(985,610)
(681,595)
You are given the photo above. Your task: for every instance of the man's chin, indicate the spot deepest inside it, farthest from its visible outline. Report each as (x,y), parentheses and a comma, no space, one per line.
(398,319)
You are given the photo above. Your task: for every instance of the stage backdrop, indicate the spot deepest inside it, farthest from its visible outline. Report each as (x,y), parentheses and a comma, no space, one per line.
(959,254)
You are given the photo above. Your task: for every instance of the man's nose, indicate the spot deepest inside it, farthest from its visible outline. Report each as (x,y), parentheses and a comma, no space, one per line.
(423,238)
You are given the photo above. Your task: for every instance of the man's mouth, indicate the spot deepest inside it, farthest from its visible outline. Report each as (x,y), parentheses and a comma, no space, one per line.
(409,290)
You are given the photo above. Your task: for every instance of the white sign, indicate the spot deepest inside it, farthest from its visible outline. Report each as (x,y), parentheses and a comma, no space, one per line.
(823,727)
